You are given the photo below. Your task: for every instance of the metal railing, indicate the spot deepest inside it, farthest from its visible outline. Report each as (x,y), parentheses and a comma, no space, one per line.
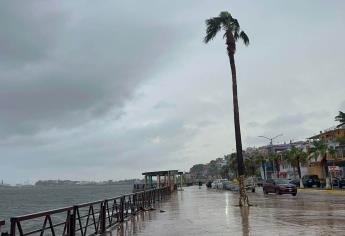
(85,219)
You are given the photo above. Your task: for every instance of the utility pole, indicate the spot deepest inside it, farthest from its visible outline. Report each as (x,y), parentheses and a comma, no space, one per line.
(271,148)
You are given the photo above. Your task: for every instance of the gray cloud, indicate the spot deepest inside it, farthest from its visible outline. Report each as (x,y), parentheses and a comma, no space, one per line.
(342,106)
(65,73)
(293,120)
(164,105)
(93,90)
(29,31)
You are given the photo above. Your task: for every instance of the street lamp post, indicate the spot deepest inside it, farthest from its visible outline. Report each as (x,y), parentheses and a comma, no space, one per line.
(271,148)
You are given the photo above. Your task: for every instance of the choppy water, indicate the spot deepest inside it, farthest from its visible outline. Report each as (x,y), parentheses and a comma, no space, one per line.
(17,201)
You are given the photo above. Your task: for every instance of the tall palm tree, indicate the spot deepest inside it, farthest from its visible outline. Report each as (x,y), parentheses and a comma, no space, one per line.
(340,118)
(232,33)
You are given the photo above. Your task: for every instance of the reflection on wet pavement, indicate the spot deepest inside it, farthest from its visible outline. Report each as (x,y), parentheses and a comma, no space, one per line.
(204,211)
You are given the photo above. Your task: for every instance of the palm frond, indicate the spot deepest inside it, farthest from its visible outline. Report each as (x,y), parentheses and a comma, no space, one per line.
(226,16)
(229,24)
(213,26)
(245,38)
(340,118)
(235,25)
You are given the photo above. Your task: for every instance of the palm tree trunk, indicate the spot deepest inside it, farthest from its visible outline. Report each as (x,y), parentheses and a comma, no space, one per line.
(276,163)
(299,173)
(325,169)
(243,201)
(263,169)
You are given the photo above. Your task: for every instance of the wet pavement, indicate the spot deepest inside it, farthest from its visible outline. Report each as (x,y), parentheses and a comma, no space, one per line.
(201,211)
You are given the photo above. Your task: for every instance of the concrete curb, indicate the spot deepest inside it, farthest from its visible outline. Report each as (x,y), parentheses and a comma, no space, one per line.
(335,191)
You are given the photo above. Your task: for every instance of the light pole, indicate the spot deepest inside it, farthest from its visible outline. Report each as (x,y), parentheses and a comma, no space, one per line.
(271,139)
(271,148)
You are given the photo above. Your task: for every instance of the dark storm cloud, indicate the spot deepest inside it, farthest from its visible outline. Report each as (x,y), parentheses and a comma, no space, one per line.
(28,30)
(61,68)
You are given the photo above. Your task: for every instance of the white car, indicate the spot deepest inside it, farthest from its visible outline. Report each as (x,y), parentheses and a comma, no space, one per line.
(218,183)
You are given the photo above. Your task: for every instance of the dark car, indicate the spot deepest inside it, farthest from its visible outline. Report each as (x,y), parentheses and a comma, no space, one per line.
(279,186)
(209,184)
(295,182)
(337,182)
(311,181)
(341,183)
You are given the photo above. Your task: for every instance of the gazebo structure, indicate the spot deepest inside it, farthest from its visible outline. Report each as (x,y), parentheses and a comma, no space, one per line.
(164,178)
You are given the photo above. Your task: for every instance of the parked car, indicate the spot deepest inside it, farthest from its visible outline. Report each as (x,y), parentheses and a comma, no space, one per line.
(311,181)
(295,182)
(279,186)
(341,183)
(209,184)
(337,182)
(228,185)
(218,183)
(214,184)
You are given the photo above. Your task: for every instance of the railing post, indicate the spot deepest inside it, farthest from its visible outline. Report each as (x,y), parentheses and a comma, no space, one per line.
(133,206)
(154,196)
(71,222)
(122,208)
(13,227)
(103,216)
(143,200)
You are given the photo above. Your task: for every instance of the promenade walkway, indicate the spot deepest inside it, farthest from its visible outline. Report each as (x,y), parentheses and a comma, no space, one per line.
(204,211)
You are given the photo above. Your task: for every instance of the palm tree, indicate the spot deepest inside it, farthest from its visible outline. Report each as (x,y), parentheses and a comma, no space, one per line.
(232,163)
(333,154)
(232,33)
(320,149)
(340,118)
(275,158)
(251,164)
(287,157)
(262,161)
(298,157)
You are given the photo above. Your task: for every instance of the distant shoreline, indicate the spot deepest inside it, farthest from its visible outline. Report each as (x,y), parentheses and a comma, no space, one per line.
(58,183)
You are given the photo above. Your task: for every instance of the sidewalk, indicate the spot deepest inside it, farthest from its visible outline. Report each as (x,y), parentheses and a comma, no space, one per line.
(318,190)
(202,212)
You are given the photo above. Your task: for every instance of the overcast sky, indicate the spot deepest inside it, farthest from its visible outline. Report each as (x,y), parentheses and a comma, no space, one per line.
(95,90)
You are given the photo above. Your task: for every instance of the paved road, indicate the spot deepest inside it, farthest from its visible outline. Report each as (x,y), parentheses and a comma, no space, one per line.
(204,211)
